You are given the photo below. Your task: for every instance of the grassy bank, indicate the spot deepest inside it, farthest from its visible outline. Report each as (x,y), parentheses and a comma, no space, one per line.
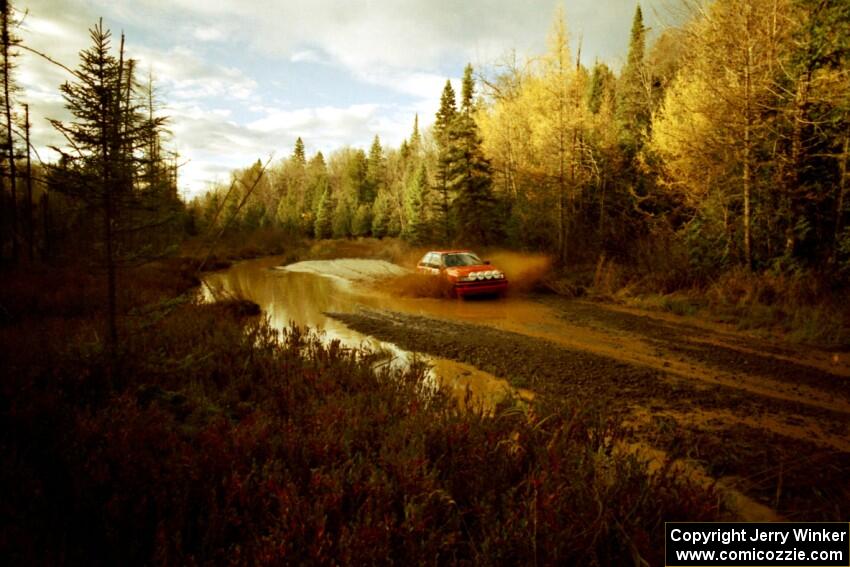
(219,253)
(801,306)
(210,438)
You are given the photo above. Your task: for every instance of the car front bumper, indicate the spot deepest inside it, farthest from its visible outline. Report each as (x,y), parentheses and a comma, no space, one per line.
(480,287)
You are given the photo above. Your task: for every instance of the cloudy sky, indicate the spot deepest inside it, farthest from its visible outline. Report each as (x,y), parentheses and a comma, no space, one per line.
(241,79)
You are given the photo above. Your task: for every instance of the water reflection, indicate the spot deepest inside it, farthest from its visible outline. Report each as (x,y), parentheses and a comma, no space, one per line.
(303,298)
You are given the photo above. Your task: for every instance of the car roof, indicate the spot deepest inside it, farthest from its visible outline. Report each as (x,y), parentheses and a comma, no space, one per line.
(451,252)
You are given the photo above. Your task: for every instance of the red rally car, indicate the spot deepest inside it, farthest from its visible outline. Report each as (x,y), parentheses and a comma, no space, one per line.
(465,271)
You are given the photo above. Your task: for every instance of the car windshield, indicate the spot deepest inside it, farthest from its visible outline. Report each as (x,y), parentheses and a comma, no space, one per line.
(465,259)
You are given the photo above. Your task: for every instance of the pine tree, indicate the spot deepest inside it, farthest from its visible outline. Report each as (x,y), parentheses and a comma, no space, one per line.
(601,84)
(470,172)
(343,218)
(445,119)
(634,94)
(316,179)
(415,138)
(108,129)
(380,215)
(354,183)
(158,202)
(324,213)
(362,223)
(416,202)
(298,154)
(9,44)
(375,171)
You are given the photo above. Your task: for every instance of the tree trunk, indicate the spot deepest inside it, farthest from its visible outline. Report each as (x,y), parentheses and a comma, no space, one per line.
(792,179)
(602,210)
(747,165)
(111,149)
(10,146)
(747,175)
(45,218)
(30,228)
(842,192)
(562,216)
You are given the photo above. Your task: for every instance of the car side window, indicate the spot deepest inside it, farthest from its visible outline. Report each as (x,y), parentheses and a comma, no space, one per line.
(432,260)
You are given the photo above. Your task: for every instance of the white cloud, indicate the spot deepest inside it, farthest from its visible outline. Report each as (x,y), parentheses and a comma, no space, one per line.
(202,54)
(325,118)
(205,33)
(183,74)
(306,56)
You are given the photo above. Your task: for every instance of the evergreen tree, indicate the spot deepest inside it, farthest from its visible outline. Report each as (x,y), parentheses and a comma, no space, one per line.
(375,172)
(442,128)
(380,216)
(9,46)
(470,172)
(298,154)
(362,223)
(602,82)
(415,138)
(316,179)
(634,96)
(416,207)
(324,213)
(355,175)
(343,217)
(447,112)
(158,200)
(107,130)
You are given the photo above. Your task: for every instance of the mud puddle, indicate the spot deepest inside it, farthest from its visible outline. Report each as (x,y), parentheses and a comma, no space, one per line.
(302,294)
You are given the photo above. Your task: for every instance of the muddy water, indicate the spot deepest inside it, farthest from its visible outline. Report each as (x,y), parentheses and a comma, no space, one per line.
(303,296)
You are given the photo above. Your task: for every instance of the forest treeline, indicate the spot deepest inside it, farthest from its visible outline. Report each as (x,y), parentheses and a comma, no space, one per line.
(724,143)
(720,144)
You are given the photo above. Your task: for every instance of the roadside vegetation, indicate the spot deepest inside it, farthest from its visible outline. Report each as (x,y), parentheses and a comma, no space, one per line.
(799,306)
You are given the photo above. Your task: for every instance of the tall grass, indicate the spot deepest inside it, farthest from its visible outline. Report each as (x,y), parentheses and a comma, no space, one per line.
(799,305)
(217,254)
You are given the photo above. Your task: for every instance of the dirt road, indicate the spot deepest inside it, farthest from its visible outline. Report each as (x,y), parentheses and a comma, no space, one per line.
(769,423)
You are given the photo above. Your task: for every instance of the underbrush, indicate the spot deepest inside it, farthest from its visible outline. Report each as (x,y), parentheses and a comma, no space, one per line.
(210,438)
(79,291)
(801,306)
(243,246)
(392,250)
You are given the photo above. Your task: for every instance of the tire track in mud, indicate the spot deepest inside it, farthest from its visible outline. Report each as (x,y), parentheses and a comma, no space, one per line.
(716,350)
(566,375)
